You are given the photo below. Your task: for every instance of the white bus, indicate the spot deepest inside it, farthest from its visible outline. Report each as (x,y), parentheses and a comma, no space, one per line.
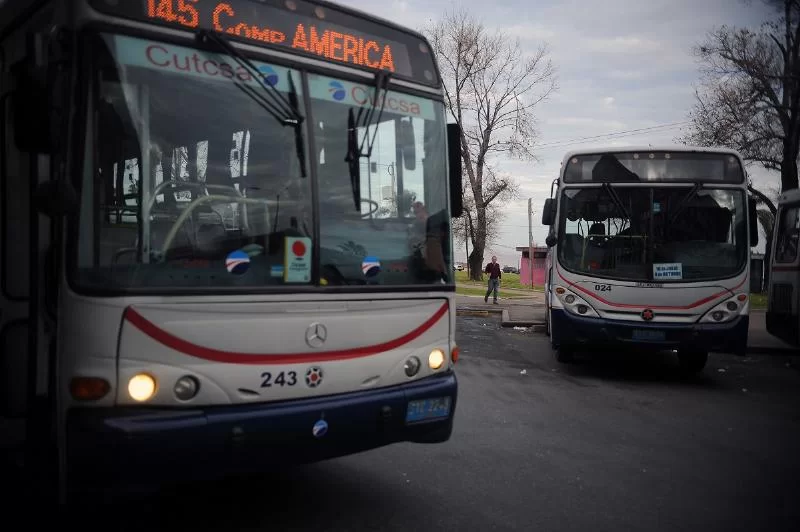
(783,306)
(650,249)
(226,238)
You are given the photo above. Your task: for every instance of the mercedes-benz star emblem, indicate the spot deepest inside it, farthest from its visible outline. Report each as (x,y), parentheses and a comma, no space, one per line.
(316,334)
(647,314)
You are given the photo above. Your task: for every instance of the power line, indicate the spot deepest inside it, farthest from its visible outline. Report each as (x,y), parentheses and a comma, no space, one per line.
(615,134)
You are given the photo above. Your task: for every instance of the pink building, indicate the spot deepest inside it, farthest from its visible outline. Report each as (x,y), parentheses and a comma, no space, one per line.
(538,265)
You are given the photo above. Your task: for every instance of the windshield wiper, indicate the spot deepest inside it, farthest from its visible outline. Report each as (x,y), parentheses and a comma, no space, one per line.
(353,159)
(685,201)
(617,201)
(286,111)
(355,151)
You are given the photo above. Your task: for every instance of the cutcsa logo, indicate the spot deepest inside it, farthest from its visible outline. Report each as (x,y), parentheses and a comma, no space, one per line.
(269,75)
(337,90)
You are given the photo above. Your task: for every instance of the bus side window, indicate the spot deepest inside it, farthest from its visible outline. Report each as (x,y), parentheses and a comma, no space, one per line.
(788,235)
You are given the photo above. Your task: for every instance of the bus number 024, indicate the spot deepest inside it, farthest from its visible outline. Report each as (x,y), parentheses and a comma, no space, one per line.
(288,378)
(602,288)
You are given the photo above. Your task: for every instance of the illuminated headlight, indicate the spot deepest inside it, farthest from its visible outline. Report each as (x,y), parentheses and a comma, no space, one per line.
(412,366)
(575,304)
(726,311)
(436,359)
(141,387)
(186,388)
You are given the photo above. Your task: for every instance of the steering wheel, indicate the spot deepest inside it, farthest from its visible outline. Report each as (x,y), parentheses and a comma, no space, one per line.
(173,231)
(371,204)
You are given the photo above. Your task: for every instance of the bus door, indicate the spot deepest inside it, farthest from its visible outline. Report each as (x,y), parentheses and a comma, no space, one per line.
(783,314)
(29,257)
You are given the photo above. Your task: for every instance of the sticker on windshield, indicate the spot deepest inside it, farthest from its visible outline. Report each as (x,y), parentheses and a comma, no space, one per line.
(347,93)
(371,266)
(238,262)
(191,62)
(276,271)
(668,270)
(297,267)
(656,207)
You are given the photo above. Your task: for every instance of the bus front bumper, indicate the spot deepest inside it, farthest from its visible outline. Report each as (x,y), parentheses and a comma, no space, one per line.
(577,331)
(139,446)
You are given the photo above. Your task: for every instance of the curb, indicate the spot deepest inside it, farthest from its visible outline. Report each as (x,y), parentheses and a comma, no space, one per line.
(540,327)
(505,319)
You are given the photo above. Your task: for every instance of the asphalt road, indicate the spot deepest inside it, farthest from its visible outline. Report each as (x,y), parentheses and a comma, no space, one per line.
(611,443)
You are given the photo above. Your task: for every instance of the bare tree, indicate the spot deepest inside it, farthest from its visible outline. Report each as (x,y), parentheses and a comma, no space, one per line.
(491,88)
(749,94)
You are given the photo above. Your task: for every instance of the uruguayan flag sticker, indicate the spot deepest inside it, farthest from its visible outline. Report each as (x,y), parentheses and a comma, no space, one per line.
(320,428)
(371,266)
(238,262)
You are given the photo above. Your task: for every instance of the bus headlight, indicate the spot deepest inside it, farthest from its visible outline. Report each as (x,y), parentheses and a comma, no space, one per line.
(726,311)
(436,359)
(575,304)
(141,387)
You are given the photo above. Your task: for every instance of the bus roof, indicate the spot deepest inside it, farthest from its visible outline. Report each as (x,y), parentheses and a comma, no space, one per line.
(655,147)
(12,9)
(317,29)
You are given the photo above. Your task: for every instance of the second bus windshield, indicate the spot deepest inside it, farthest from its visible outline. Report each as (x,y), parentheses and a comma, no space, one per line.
(653,233)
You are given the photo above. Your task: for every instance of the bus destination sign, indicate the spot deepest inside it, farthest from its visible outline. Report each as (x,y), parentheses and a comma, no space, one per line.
(301,26)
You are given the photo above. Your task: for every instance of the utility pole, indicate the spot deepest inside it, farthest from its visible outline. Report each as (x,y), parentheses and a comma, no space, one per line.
(530,240)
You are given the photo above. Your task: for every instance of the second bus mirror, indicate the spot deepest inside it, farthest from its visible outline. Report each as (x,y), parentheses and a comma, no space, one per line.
(548,213)
(751,204)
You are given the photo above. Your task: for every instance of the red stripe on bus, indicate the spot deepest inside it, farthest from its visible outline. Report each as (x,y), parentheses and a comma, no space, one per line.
(229,357)
(660,307)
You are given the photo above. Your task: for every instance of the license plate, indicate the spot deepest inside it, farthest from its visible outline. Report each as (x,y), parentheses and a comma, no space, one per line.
(649,335)
(426,409)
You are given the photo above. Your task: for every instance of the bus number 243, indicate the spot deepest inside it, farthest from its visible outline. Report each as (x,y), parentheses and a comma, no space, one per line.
(287,378)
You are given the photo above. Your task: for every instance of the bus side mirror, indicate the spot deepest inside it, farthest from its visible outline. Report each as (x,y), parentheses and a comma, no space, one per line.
(550,240)
(32,98)
(56,199)
(38,89)
(548,213)
(30,109)
(454,163)
(753,215)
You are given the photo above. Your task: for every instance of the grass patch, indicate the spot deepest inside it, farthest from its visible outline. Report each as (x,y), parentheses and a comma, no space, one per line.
(510,281)
(476,291)
(758,301)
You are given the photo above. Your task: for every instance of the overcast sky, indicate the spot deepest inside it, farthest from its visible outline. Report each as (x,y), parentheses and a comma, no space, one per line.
(622,65)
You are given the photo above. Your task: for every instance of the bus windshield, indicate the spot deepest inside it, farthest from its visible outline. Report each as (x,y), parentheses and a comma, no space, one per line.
(654,234)
(190,182)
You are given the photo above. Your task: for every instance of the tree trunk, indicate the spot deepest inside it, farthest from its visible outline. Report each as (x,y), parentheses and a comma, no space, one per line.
(475,265)
(478,245)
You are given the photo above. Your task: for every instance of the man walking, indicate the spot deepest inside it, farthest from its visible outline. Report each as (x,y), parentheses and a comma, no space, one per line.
(493,269)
